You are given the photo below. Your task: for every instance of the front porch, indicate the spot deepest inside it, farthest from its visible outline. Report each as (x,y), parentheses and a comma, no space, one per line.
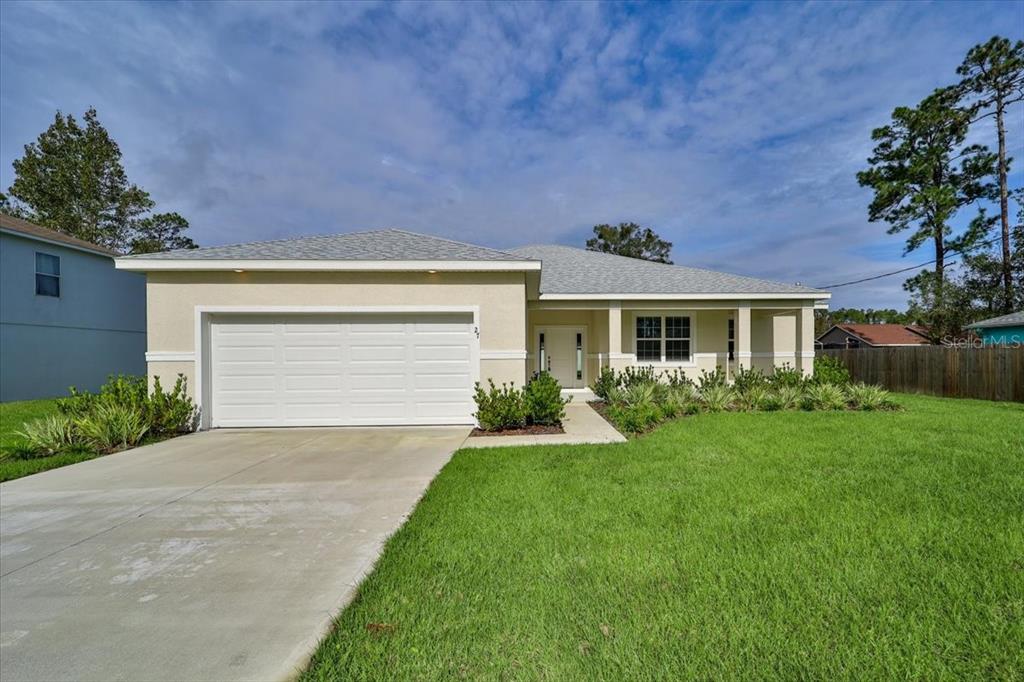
(574,340)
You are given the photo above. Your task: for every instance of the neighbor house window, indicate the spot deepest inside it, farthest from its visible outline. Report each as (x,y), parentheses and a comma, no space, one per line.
(663,338)
(47,275)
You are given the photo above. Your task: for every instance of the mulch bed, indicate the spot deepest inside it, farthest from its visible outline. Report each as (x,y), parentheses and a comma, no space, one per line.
(532,430)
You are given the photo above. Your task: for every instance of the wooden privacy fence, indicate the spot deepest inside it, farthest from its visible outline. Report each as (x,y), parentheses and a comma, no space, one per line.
(986,373)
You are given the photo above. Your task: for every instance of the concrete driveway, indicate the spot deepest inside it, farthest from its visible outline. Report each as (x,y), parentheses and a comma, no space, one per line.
(216,556)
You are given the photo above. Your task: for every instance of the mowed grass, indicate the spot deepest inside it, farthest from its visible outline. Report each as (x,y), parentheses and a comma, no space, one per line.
(13,416)
(785,545)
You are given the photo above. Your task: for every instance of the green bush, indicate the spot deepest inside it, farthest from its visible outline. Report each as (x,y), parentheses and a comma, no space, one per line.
(785,376)
(747,378)
(824,397)
(830,370)
(637,394)
(708,379)
(605,383)
(788,397)
(49,435)
(717,397)
(110,427)
(634,376)
(635,419)
(170,413)
(543,400)
(677,378)
(868,397)
(754,398)
(498,409)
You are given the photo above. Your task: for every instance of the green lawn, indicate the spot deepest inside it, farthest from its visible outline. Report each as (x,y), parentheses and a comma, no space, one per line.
(12,417)
(783,545)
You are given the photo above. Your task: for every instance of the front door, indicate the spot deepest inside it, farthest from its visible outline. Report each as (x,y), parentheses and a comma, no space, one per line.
(562,354)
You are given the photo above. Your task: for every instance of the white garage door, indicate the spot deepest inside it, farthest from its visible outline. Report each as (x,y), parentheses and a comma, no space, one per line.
(341,370)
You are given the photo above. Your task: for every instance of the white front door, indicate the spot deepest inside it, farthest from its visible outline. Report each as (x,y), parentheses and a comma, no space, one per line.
(562,353)
(342,370)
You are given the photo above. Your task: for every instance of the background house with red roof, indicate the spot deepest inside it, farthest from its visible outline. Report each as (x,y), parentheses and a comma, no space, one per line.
(874,336)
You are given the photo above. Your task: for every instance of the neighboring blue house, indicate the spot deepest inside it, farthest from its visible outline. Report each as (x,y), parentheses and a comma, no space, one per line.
(67,317)
(1001,330)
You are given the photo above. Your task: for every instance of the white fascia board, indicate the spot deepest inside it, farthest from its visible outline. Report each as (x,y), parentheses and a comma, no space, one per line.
(193,264)
(683,297)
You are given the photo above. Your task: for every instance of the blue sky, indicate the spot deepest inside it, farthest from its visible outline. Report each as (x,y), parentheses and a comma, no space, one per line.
(734,130)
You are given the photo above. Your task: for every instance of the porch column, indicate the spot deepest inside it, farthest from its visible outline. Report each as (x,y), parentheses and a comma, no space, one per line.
(743,356)
(615,359)
(805,340)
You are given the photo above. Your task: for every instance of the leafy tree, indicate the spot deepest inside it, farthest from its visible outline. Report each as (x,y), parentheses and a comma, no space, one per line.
(922,175)
(629,239)
(994,74)
(161,232)
(71,180)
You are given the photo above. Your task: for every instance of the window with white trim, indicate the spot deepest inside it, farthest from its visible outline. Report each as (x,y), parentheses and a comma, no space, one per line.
(47,275)
(663,338)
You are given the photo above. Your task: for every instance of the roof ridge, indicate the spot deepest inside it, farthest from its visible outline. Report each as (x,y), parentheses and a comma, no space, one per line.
(450,241)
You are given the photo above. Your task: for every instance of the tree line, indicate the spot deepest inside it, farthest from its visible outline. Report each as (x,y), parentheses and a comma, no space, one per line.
(924,172)
(71,179)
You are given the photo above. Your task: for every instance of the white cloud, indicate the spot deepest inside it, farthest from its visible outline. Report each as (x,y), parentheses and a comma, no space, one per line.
(734,131)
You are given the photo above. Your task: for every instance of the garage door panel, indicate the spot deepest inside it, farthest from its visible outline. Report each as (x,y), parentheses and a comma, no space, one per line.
(319,353)
(376,353)
(437,353)
(246,383)
(441,410)
(319,370)
(312,382)
(450,381)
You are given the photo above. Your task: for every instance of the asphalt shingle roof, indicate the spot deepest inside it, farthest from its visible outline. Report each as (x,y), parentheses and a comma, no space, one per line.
(24,227)
(1011,320)
(567,270)
(372,245)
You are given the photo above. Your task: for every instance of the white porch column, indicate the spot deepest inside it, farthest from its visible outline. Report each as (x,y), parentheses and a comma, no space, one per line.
(615,359)
(743,354)
(805,340)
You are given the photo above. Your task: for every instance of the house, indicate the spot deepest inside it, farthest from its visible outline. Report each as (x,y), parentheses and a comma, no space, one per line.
(392,327)
(1003,330)
(67,316)
(874,336)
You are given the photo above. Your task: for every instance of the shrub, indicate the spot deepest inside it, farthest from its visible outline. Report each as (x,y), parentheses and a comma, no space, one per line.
(111,427)
(868,397)
(708,379)
(635,419)
(499,408)
(49,435)
(789,397)
(637,394)
(717,397)
(772,402)
(753,398)
(170,413)
(785,376)
(633,376)
(543,401)
(605,383)
(830,370)
(747,378)
(677,378)
(824,397)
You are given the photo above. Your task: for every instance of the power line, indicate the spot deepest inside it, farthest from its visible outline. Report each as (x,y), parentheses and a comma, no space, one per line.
(913,267)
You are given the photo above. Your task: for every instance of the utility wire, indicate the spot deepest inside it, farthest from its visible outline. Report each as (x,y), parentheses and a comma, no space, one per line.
(913,267)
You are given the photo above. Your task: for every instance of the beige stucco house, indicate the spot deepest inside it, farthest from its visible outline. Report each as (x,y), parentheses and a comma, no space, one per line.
(391,327)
